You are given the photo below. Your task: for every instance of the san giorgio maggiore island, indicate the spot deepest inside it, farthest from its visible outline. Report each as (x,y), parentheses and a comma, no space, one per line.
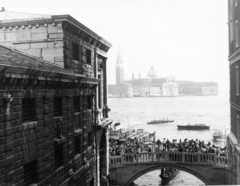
(154,86)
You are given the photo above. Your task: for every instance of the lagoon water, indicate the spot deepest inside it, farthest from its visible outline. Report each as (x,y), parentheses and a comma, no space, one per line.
(136,112)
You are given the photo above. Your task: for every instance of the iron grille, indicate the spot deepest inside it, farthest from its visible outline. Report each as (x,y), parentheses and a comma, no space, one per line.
(90,139)
(76,104)
(88,53)
(28,110)
(58,107)
(30,173)
(77,145)
(58,154)
(89,102)
(75,51)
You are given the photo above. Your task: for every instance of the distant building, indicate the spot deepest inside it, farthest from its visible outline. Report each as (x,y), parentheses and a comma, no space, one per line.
(119,69)
(197,88)
(233,139)
(120,89)
(154,86)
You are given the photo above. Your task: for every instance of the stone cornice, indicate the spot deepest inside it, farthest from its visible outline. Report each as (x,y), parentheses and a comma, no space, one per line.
(234,57)
(75,31)
(19,67)
(237,107)
(94,38)
(26,22)
(73,21)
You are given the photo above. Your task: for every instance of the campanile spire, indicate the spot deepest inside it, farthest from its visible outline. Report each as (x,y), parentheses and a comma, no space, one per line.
(119,68)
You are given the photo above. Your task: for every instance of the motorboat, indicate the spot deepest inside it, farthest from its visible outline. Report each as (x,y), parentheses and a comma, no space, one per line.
(218,136)
(197,126)
(168,174)
(159,121)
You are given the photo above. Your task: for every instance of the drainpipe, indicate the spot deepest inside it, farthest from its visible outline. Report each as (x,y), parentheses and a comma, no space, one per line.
(96,109)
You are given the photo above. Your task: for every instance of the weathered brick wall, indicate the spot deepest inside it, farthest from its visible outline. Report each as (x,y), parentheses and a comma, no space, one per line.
(35,141)
(79,66)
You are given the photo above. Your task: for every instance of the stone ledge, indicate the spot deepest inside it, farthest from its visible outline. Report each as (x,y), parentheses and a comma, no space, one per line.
(76,113)
(59,141)
(29,125)
(78,132)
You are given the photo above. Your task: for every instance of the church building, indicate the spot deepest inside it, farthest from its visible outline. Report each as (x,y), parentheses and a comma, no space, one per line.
(154,86)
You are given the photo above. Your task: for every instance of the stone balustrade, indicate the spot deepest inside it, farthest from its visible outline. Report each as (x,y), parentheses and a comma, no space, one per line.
(178,157)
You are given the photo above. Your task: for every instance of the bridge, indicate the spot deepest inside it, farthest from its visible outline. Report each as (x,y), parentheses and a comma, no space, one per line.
(208,167)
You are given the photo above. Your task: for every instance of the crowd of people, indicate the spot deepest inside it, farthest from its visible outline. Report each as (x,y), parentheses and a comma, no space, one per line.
(118,147)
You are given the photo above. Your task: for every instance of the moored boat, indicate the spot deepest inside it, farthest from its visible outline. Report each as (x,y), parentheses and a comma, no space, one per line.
(218,136)
(160,121)
(197,126)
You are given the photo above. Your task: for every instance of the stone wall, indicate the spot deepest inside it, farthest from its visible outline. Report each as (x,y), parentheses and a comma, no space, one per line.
(47,123)
(58,62)
(41,40)
(37,139)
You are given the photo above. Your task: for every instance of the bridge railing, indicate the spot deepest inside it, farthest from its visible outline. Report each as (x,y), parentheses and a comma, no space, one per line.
(183,157)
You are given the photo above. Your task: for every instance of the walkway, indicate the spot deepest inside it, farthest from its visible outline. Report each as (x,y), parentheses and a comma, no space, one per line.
(208,167)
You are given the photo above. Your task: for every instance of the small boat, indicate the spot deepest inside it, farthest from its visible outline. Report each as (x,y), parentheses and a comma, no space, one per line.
(168,174)
(159,121)
(197,126)
(218,136)
(117,124)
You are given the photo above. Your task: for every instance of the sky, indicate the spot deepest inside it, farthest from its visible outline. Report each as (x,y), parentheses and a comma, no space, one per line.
(184,38)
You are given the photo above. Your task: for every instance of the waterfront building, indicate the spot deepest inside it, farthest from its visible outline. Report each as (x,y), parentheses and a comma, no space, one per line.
(120,91)
(54,123)
(154,86)
(233,139)
(197,88)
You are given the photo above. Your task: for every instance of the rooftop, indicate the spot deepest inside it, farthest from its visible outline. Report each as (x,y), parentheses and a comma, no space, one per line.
(8,16)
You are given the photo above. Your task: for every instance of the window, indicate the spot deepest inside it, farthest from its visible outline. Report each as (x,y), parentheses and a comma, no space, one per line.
(236,33)
(76,104)
(90,139)
(231,9)
(88,53)
(237,81)
(238,129)
(58,155)
(76,122)
(99,92)
(75,50)
(77,145)
(30,173)
(231,27)
(57,106)
(89,102)
(28,110)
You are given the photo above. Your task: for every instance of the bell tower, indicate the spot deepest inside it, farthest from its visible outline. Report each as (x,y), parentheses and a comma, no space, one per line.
(119,69)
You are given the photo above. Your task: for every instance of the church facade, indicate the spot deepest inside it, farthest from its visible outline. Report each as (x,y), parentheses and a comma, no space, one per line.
(154,86)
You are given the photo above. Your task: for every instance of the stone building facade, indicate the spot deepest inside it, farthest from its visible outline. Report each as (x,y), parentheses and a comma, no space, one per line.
(197,88)
(233,140)
(53,105)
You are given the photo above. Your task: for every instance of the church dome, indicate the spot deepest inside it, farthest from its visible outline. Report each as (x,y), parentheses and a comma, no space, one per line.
(151,73)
